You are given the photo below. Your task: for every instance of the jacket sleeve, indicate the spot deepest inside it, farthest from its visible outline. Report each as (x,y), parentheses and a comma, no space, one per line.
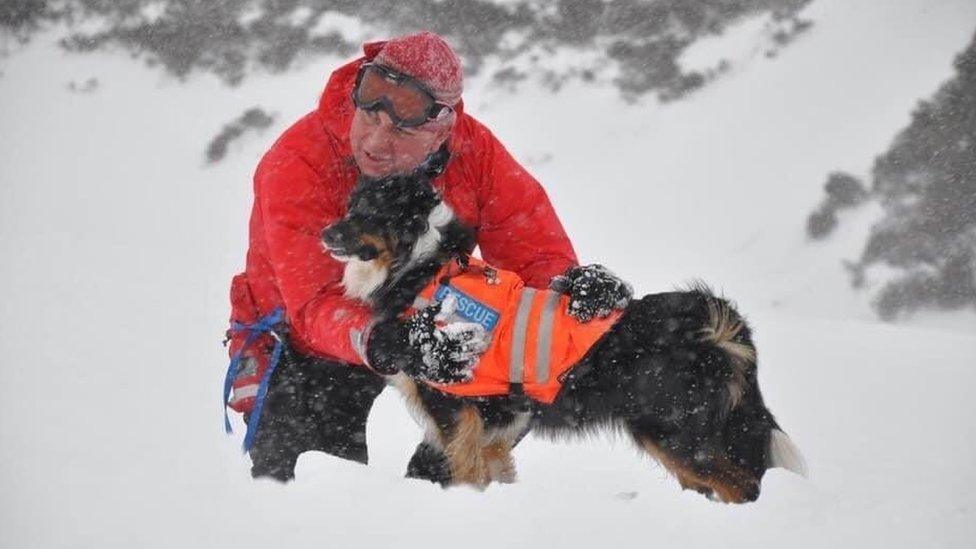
(294,209)
(518,229)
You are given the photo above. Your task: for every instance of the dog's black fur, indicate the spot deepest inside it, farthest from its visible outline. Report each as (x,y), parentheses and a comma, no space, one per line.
(676,371)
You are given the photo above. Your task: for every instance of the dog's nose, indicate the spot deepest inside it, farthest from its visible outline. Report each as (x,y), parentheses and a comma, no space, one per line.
(331,236)
(750,492)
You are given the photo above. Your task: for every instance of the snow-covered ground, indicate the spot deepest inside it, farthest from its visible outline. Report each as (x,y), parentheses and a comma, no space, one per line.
(118,243)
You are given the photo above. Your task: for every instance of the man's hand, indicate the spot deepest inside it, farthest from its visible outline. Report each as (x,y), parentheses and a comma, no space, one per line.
(594,291)
(423,350)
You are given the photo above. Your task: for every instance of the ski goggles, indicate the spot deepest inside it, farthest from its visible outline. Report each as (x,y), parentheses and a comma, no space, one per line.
(407,102)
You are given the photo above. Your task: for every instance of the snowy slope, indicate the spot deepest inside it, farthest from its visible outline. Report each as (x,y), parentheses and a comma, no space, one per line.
(118,245)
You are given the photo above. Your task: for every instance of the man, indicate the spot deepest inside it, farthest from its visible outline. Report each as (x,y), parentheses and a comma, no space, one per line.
(395,110)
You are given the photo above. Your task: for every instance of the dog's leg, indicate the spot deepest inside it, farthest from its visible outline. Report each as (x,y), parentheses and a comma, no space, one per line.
(428,463)
(498,460)
(464,449)
(419,407)
(508,429)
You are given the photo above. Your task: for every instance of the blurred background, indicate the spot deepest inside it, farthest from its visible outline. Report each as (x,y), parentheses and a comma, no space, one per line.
(813,159)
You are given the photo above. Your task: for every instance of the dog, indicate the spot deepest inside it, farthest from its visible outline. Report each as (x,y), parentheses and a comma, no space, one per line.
(676,371)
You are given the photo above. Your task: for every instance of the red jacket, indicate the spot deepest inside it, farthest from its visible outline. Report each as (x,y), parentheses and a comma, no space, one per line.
(302,185)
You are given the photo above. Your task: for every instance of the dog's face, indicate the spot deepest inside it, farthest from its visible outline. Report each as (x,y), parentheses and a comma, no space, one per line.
(734,460)
(384,220)
(730,460)
(390,223)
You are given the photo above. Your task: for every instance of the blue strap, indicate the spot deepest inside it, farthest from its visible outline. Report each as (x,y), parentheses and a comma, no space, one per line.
(264,324)
(252,424)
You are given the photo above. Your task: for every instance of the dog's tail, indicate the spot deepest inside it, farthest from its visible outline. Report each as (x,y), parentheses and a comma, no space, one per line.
(728,331)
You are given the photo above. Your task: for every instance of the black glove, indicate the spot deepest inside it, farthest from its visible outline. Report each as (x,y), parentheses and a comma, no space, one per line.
(425,351)
(388,349)
(594,291)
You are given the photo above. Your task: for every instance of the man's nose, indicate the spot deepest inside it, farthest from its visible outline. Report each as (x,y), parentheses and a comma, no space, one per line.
(381,133)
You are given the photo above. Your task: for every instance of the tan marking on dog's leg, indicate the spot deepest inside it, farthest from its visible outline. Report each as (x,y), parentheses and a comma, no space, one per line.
(415,404)
(463,449)
(728,485)
(498,459)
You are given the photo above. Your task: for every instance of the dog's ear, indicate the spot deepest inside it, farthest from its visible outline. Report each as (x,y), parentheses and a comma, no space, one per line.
(458,238)
(784,453)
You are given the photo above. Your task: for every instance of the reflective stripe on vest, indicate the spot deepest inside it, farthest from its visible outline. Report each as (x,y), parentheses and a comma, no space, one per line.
(543,353)
(516,368)
(521,341)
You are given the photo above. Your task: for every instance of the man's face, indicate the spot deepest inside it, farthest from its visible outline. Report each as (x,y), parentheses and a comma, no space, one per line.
(381,149)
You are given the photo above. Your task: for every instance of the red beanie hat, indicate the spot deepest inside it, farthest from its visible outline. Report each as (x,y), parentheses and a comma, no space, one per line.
(426,57)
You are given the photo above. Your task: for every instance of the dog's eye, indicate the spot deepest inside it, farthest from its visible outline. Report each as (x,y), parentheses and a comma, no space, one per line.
(367,252)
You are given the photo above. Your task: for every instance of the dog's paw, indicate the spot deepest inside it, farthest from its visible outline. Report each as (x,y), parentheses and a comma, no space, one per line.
(594,291)
(450,352)
(501,471)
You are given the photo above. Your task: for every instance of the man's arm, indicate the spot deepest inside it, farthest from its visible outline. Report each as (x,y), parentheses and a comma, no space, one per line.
(294,209)
(519,230)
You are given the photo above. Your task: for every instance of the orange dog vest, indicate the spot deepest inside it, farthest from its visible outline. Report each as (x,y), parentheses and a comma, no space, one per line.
(534,341)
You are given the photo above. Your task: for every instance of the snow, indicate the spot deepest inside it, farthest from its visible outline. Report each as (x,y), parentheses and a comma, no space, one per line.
(119,242)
